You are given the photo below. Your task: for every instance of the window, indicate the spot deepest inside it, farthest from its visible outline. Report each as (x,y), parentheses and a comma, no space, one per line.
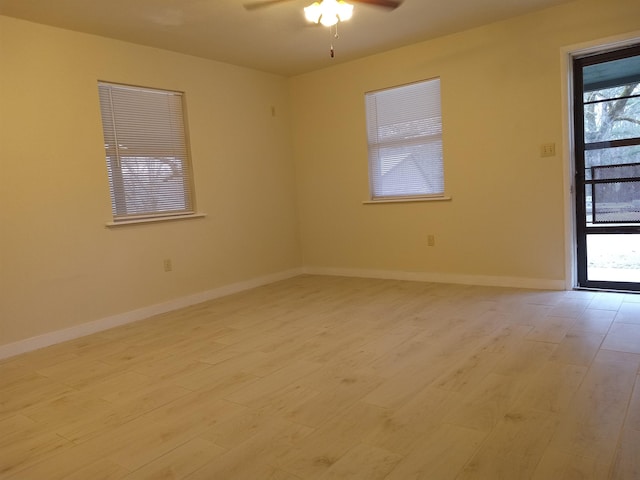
(146,152)
(404,130)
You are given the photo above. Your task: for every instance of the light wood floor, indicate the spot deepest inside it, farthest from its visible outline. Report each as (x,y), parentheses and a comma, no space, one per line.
(338,378)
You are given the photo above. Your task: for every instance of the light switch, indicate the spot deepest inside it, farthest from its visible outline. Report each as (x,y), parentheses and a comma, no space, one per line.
(548,150)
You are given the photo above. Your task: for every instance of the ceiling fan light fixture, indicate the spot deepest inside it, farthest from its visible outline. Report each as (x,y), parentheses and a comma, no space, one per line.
(345,11)
(313,12)
(328,12)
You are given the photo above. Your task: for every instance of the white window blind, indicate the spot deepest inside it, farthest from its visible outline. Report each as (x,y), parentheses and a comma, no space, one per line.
(404,130)
(146,152)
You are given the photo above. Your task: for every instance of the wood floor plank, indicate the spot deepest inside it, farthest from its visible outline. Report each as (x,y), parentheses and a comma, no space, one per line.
(571,306)
(607,301)
(404,427)
(118,386)
(63,409)
(514,447)
(623,337)
(81,427)
(17,375)
(259,456)
(553,388)
(100,470)
(633,411)
(316,453)
(32,361)
(626,464)
(180,462)
(578,348)
(526,358)
(140,442)
(551,329)
(555,464)
(334,377)
(465,375)
(628,313)
(272,383)
(29,451)
(245,424)
(363,462)
(595,321)
(198,411)
(218,381)
(425,362)
(506,339)
(78,372)
(77,463)
(328,401)
(38,390)
(18,427)
(441,455)
(593,424)
(171,367)
(487,404)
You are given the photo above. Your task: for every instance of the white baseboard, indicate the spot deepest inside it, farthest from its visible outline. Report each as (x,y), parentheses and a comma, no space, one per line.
(481,280)
(58,336)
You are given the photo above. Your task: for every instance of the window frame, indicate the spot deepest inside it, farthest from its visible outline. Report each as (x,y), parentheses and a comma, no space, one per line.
(418,136)
(171,151)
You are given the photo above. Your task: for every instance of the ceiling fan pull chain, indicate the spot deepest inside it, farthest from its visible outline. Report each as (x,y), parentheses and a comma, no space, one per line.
(331,50)
(333,32)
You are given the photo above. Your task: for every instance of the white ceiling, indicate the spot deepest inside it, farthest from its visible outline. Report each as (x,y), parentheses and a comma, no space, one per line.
(274,39)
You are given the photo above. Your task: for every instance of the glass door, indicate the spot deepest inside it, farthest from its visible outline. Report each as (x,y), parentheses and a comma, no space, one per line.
(607,165)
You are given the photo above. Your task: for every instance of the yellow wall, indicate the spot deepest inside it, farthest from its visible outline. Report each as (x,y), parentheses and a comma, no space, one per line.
(286,191)
(501,99)
(60,265)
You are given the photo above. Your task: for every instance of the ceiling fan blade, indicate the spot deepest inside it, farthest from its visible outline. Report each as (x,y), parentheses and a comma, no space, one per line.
(392,4)
(264,3)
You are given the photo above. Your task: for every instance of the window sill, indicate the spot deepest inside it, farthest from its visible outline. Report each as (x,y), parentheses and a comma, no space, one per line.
(407,200)
(138,221)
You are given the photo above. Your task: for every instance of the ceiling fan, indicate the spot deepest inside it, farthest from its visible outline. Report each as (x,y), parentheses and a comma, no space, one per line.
(390,4)
(328,12)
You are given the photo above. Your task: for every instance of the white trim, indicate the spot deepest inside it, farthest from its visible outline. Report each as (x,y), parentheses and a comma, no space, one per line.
(158,218)
(58,336)
(71,333)
(567,54)
(406,200)
(568,170)
(480,280)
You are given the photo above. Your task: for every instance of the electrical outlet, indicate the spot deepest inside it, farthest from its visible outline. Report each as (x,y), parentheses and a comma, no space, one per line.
(168,266)
(548,150)
(431,240)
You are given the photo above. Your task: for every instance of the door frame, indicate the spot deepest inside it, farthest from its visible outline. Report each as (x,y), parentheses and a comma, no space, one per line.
(567,55)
